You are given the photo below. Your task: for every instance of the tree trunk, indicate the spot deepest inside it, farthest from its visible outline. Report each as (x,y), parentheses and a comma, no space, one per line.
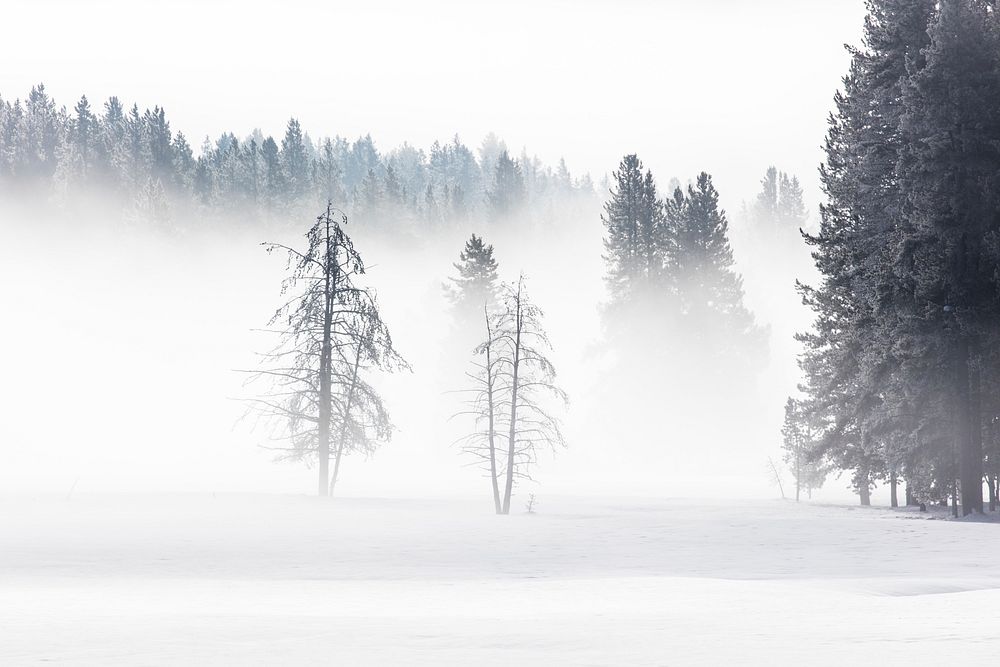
(976,473)
(798,470)
(910,500)
(954,498)
(893,498)
(347,412)
(326,367)
(490,406)
(863,484)
(512,440)
(970,461)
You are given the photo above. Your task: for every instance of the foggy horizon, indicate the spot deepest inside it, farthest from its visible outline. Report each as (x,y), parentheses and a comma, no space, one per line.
(480,333)
(764,98)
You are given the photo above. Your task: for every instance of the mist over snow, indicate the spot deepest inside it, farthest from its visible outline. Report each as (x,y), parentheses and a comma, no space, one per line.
(525,333)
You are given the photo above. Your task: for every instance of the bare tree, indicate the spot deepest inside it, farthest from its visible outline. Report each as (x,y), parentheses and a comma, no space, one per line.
(330,332)
(776,476)
(483,406)
(512,393)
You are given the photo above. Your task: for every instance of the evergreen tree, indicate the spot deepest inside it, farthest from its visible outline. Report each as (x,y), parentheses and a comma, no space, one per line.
(85,138)
(125,148)
(294,161)
(860,306)
(709,289)
(507,194)
(477,283)
(42,134)
(949,175)
(797,442)
(634,241)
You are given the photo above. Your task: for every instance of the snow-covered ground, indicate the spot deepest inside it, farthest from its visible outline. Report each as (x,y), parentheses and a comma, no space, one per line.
(257,580)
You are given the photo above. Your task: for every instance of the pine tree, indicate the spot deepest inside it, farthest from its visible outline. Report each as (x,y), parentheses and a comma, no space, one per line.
(702,266)
(294,161)
(507,194)
(42,134)
(797,442)
(634,243)
(949,175)
(860,306)
(85,138)
(477,283)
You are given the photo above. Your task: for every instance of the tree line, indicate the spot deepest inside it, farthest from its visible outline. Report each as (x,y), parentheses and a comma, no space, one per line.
(900,370)
(158,174)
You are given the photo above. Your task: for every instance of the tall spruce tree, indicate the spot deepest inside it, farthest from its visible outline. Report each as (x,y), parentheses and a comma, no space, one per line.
(477,283)
(952,246)
(710,291)
(860,304)
(634,243)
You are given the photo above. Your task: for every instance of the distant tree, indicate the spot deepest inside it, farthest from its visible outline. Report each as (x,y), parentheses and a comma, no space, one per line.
(702,270)
(489,154)
(779,210)
(184,163)
(294,161)
(330,332)
(85,138)
(765,207)
(633,233)
(477,283)
(329,173)
(159,139)
(44,129)
(507,192)
(274,178)
(797,442)
(361,160)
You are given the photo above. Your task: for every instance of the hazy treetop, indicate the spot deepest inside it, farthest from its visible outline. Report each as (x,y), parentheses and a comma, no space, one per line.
(421,71)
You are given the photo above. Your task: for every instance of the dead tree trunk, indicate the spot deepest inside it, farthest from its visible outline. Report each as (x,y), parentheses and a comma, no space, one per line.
(326,364)
(349,403)
(490,406)
(515,367)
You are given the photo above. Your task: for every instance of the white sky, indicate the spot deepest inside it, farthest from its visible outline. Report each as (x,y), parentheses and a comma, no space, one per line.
(726,86)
